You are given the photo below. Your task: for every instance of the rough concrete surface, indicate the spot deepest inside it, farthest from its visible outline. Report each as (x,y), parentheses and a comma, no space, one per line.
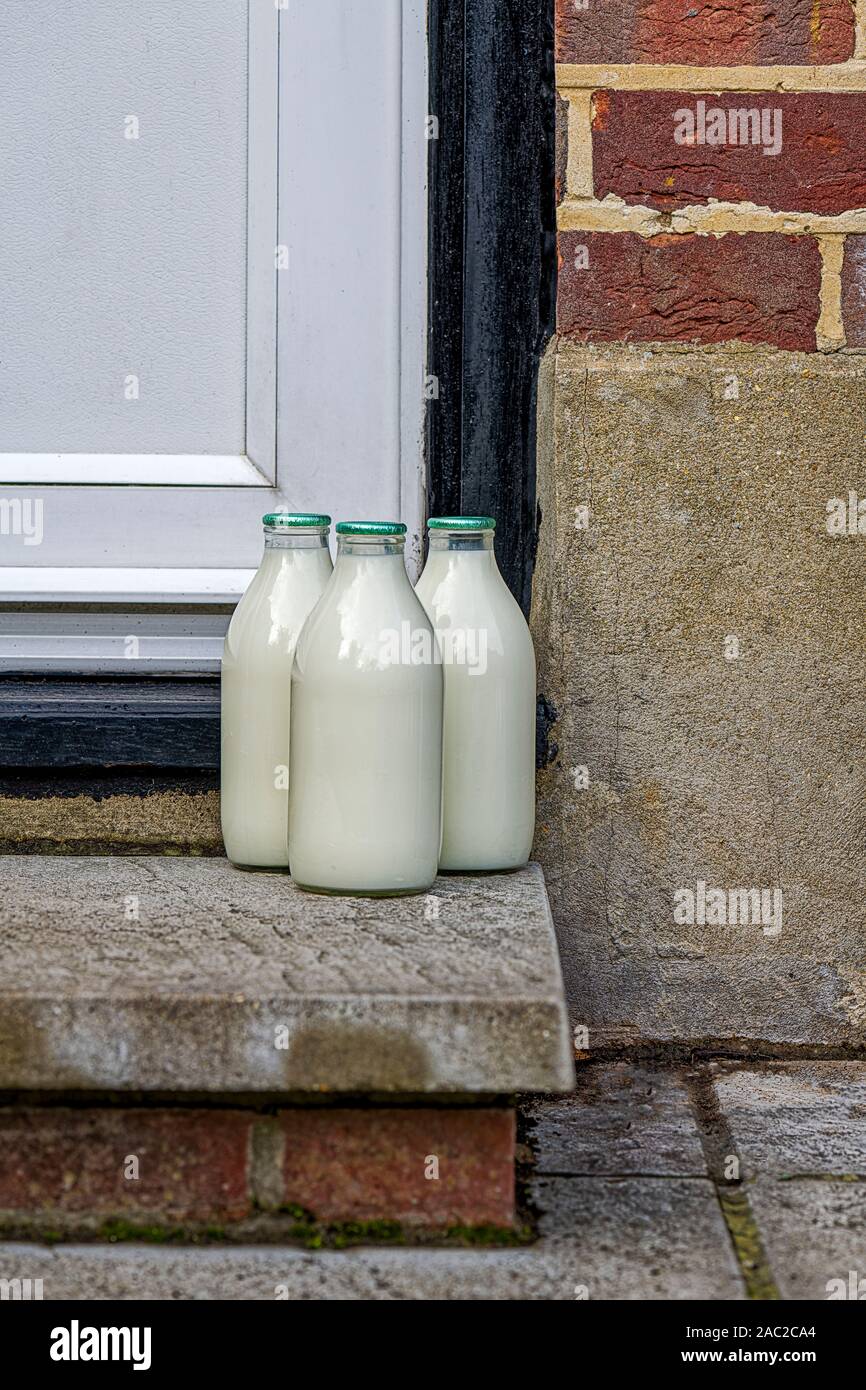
(622,1119)
(640,1237)
(188,975)
(814,1232)
(701,641)
(796,1119)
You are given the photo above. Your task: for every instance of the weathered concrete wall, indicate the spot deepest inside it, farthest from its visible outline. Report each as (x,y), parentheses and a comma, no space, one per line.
(702,637)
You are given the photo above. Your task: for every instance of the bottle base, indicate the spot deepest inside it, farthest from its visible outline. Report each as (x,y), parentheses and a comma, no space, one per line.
(260,868)
(363,892)
(483,873)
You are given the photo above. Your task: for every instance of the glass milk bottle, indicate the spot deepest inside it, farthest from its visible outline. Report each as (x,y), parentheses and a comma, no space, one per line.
(488,780)
(366,747)
(256,683)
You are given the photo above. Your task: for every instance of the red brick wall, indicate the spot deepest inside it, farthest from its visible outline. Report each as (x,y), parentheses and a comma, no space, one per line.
(704,206)
(705,33)
(753,288)
(428,1168)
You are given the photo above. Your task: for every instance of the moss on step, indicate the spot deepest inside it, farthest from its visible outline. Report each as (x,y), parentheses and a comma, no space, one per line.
(290,1226)
(119,1230)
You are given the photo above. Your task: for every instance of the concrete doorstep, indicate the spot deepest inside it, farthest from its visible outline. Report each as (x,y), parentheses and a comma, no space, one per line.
(158,1142)
(177,975)
(195,1054)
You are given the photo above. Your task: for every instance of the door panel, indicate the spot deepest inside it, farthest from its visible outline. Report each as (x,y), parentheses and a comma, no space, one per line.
(256,258)
(123,223)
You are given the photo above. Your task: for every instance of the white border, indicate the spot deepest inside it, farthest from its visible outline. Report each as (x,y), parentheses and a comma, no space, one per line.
(129,470)
(40,584)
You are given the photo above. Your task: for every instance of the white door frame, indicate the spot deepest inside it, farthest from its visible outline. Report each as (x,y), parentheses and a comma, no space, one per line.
(336,343)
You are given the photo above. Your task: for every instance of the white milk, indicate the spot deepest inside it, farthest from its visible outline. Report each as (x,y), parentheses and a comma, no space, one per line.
(488,799)
(366,746)
(256,683)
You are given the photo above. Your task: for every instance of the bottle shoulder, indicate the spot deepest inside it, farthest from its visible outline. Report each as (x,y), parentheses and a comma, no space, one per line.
(365,606)
(465,596)
(362,626)
(268,619)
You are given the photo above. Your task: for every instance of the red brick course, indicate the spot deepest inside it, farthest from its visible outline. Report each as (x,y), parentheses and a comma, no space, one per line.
(709,33)
(758,288)
(367,1165)
(193,1165)
(821,166)
(197,1166)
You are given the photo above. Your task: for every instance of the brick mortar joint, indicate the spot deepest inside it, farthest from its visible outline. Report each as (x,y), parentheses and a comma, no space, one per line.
(613,214)
(848,77)
(266,1147)
(579,172)
(830,329)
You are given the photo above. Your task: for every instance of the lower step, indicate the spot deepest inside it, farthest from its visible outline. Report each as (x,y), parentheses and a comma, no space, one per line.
(147,1172)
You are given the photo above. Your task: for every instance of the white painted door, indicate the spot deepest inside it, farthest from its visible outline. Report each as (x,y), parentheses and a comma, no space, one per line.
(212,231)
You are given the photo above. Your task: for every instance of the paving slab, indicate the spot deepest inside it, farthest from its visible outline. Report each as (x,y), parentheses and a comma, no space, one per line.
(640,1238)
(636,1239)
(814,1234)
(796,1118)
(184,974)
(622,1119)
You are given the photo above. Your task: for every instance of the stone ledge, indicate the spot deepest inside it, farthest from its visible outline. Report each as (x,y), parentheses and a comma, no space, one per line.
(182,975)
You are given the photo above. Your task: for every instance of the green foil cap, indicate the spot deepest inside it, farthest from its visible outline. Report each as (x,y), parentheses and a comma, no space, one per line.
(461,523)
(290,519)
(370,528)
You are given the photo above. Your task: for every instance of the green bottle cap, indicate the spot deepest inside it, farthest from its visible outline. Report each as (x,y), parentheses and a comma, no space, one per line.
(461,523)
(295,519)
(370,528)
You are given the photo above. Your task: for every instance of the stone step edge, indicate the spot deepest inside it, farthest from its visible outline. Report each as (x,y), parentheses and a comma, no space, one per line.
(136,1273)
(185,975)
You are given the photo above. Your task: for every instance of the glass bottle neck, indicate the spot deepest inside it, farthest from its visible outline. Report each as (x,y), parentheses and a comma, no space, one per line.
(464,541)
(369,547)
(314,538)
